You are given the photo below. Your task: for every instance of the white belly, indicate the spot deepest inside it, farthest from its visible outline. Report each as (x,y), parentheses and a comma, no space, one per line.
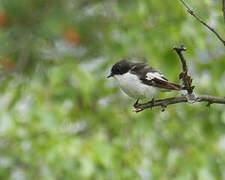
(133,86)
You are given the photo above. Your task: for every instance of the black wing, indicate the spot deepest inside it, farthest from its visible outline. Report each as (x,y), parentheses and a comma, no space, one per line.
(149,76)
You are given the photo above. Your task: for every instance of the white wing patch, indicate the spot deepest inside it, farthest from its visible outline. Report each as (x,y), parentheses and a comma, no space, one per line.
(155,75)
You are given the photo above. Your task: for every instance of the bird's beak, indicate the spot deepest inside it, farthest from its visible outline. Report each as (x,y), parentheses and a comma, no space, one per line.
(109,75)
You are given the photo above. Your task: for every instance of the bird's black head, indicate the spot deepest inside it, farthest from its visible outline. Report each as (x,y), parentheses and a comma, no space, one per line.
(120,68)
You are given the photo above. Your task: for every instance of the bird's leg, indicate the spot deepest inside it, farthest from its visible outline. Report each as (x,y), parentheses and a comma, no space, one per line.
(136,103)
(152,101)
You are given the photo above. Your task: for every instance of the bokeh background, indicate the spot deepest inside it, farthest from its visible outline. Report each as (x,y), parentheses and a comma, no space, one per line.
(60,118)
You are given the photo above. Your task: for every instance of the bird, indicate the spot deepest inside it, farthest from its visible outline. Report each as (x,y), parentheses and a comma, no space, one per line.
(140,80)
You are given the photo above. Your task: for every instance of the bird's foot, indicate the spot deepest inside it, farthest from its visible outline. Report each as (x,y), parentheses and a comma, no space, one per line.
(152,102)
(136,104)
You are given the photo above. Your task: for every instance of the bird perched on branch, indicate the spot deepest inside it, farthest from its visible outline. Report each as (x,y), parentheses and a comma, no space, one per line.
(140,80)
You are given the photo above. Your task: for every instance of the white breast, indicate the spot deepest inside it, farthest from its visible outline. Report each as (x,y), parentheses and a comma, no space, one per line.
(133,86)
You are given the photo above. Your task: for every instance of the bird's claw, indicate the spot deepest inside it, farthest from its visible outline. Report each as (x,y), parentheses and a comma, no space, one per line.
(152,101)
(136,104)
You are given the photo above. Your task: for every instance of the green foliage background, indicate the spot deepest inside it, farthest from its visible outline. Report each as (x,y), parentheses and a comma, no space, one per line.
(60,118)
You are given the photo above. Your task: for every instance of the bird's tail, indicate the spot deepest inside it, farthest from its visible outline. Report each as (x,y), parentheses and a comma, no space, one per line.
(164,85)
(170,86)
(174,86)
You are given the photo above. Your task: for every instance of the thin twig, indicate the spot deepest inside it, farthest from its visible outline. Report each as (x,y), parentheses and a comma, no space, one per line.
(180,99)
(223,9)
(184,75)
(191,12)
(179,52)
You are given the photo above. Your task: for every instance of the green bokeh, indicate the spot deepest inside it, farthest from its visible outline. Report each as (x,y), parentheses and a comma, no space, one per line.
(60,118)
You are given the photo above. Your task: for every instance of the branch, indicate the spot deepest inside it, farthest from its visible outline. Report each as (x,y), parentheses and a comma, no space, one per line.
(201,21)
(223,9)
(181,99)
(187,82)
